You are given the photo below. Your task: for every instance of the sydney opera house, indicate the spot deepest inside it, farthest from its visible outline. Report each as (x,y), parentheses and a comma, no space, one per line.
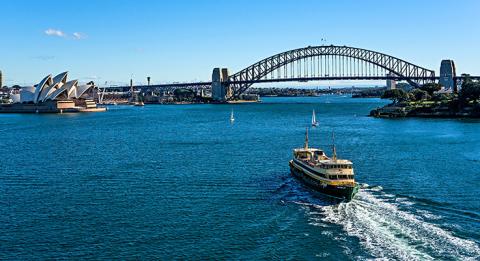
(54,94)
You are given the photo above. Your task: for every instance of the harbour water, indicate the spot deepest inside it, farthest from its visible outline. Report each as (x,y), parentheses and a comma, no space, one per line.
(183,182)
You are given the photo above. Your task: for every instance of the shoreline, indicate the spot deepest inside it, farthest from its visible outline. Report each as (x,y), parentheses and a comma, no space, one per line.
(445,111)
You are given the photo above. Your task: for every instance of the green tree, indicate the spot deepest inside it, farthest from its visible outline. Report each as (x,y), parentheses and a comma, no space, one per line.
(183,94)
(396,95)
(430,88)
(470,91)
(466,77)
(420,95)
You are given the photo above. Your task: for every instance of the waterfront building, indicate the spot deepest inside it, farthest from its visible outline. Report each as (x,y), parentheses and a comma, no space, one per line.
(53,94)
(1,79)
(56,88)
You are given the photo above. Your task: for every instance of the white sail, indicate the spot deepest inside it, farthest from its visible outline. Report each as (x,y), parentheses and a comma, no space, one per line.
(232,119)
(314,119)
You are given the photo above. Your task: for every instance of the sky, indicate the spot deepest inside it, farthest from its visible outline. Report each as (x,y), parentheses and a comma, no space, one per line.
(115,40)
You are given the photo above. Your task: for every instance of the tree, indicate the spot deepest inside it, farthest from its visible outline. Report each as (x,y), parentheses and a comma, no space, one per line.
(411,97)
(430,88)
(420,95)
(470,91)
(441,97)
(397,95)
(466,77)
(183,94)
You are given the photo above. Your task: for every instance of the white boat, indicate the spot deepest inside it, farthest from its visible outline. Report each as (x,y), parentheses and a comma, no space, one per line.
(232,119)
(314,119)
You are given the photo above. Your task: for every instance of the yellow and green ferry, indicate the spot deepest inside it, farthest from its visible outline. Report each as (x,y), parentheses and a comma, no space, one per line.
(330,176)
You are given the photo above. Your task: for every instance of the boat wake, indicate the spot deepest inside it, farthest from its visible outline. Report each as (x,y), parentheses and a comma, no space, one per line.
(387,229)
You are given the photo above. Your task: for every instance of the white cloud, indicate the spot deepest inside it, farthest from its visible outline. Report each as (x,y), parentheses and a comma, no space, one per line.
(55,32)
(79,36)
(59,33)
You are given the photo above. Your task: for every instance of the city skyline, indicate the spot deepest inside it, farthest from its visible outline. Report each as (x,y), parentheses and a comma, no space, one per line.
(111,41)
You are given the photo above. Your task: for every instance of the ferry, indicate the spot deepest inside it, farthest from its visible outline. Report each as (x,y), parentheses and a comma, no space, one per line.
(330,176)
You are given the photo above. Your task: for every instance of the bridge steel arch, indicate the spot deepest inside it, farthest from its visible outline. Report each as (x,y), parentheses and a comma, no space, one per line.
(242,80)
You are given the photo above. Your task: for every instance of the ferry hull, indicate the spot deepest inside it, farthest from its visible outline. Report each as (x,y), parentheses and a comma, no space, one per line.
(341,192)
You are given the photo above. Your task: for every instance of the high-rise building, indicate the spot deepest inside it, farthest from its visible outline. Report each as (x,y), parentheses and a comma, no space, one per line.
(1,79)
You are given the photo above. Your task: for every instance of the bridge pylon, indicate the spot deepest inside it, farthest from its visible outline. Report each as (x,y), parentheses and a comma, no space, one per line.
(448,74)
(221,90)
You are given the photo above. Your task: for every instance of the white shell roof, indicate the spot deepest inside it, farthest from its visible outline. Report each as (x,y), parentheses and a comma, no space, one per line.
(81,90)
(47,90)
(50,88)
(67,88)
(71,87)
(46,81)
(60,78)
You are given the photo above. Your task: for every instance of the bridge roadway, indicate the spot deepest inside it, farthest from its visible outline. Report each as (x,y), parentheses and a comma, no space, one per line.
(296,79)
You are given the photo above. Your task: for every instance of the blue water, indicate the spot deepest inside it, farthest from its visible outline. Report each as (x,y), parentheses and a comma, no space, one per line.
(182,182)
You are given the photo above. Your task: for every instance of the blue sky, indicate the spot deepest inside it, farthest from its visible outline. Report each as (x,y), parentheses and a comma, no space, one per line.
(112,40)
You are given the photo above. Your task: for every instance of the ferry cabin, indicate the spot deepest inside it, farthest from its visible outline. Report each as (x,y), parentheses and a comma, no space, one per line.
(335,171)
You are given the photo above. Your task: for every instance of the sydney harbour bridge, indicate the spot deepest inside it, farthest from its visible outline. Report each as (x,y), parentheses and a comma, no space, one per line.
(317,63)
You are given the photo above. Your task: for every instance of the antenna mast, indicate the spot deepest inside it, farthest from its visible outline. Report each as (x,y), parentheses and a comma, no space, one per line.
(334,151)
(305,146)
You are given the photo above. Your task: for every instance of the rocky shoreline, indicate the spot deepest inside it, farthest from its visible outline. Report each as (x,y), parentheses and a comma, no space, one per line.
(426,110)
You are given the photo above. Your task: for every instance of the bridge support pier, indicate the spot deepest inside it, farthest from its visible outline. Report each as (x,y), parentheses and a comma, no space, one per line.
(220,89)
(447,75)
(391,83)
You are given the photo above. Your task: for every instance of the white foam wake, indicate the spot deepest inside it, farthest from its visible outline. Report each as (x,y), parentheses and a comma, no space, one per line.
(387,231)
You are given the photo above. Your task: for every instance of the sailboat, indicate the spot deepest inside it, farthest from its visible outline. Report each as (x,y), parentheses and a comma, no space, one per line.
(314,119)
(232,119)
